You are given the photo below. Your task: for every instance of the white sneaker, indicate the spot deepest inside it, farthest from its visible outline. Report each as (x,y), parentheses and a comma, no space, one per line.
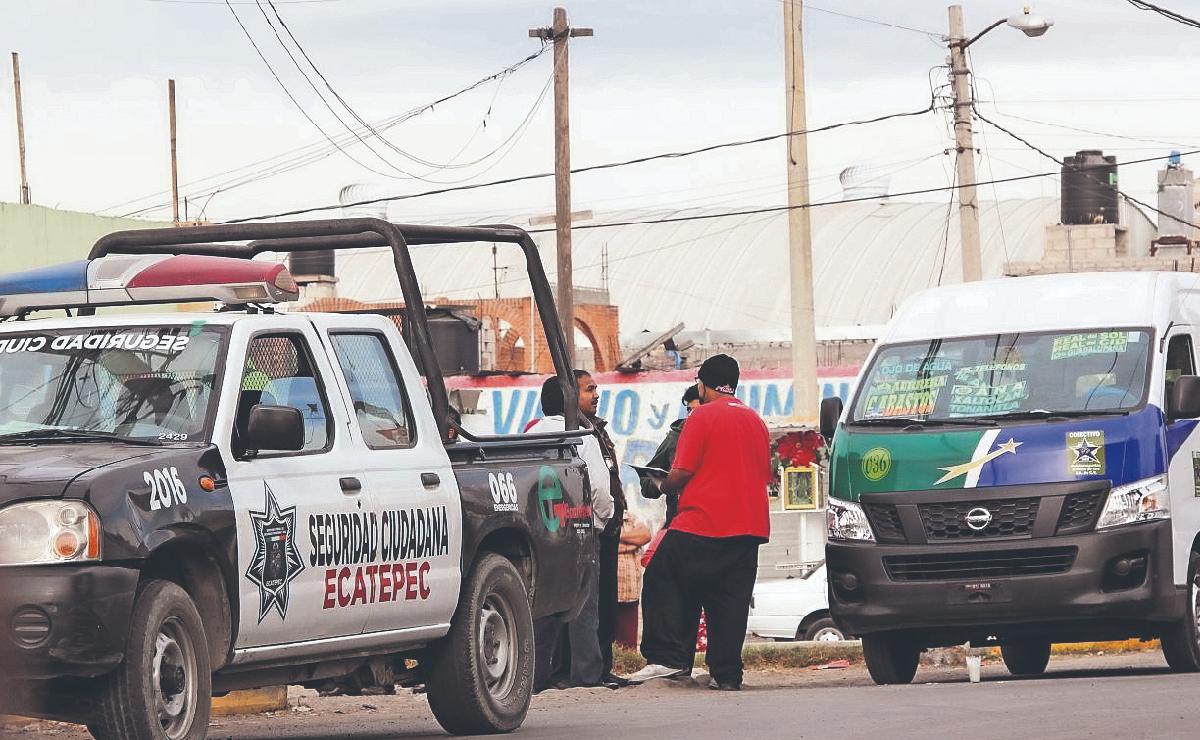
(653,671)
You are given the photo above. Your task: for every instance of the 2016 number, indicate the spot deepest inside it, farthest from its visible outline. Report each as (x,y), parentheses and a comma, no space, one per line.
(166,489)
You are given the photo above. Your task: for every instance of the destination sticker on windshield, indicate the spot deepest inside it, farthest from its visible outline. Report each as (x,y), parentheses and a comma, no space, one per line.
(903,397)
(1080,345)
(122,340)
(1085,453)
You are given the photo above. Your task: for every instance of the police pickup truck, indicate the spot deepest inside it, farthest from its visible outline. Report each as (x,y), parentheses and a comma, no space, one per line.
(196,503)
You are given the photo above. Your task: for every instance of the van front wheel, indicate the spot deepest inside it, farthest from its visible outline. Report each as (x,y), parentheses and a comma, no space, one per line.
(1181,642)
(890,658)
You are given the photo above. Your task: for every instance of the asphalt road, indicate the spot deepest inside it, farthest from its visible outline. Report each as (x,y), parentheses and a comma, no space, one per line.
(1125,696)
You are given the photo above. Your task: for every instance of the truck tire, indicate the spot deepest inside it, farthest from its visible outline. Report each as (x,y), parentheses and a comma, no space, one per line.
(163,688)
(823,630)
(890,658)
(1181,641)
(479,677)
(1026,657)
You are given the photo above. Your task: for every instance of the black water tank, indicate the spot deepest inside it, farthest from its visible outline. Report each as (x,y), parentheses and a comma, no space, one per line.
(311,263)
(1089,188)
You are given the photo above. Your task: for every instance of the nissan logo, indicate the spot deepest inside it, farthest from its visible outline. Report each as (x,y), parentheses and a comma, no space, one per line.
(978,518)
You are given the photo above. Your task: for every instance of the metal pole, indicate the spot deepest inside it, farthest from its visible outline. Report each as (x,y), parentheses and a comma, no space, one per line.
(804,341)
(174,166)
(968,210)
(16,64)
(560,33)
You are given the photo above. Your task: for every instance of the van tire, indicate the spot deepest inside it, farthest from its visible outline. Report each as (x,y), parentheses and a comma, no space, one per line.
(822,630)
(164,631)
(1026,657)
(479,677)
(890,658)
(1181,641)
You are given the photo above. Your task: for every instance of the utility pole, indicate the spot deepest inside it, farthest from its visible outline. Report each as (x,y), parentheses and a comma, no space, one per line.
(16,62)
(804,320)
(174,164)
(968,209)
(560,33)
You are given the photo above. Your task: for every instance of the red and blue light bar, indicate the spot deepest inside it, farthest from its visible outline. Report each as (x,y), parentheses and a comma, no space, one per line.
(128,279)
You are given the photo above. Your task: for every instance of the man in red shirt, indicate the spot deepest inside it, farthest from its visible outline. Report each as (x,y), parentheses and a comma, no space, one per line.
(709,557)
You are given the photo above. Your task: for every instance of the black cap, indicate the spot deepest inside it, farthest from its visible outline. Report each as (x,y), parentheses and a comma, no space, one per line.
(721,373)
(552,397)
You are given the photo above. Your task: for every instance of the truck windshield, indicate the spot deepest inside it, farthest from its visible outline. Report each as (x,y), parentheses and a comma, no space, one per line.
(1017,375)
(133,382)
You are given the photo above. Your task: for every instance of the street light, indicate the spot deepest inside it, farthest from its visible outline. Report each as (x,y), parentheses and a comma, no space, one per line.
(1028,23)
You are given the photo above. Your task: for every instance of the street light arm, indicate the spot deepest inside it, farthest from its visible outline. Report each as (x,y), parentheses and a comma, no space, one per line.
(960,43)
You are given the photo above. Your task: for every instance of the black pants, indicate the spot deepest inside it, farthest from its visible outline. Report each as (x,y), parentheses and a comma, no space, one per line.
(687,573)
(607,627)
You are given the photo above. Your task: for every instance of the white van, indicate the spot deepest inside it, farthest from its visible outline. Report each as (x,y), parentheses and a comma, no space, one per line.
(1019,465)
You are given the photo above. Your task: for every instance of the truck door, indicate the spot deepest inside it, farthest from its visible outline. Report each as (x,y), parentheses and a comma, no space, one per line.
(415,574)
(298,512)
(1183,450)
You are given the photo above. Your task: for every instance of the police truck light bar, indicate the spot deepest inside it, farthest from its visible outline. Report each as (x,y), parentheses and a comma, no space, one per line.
(128,279)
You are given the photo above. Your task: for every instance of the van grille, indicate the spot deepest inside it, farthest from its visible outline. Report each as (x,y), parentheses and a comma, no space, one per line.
(1079,512)
(885,523)
(972,565)
(1010,518)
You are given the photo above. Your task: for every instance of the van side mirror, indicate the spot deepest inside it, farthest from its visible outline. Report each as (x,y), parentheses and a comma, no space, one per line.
(1184,400)
(831,411)
(275,428)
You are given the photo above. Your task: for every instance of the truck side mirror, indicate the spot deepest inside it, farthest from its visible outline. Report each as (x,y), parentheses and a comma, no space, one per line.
(275,428)
(831,411)
(1184,400)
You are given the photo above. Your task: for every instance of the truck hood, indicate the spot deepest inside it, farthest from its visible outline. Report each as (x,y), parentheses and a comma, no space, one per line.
(44,470)
(1121,449)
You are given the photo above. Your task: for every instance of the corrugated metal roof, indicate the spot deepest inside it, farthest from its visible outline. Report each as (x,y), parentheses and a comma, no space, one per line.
(731,272)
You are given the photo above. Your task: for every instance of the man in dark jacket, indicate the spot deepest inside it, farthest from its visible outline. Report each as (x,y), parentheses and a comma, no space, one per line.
(665,455)
(610,538)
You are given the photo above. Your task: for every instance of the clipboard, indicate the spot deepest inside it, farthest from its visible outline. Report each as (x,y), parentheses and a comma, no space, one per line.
(648,472)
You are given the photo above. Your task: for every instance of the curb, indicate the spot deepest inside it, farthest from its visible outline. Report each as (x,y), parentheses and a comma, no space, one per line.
(252,701)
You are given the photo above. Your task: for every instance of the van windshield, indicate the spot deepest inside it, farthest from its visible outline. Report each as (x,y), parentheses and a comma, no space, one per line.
(1064,372)
(129,382)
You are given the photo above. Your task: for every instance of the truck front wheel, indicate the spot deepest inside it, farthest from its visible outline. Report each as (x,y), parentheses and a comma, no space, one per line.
(1181,641)
(479,677)
(163,688)
(890,658)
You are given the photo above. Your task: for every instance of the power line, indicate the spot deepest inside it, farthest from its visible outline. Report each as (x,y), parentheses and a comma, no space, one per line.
(291,97)
(235,2)
(874,21)
(1119,192)
(303,156)
(595,167)
(1165,13)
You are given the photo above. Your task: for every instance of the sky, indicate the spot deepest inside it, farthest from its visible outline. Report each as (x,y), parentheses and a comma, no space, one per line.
(656,77)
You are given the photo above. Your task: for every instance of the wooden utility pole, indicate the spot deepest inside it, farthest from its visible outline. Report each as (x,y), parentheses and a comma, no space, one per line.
(16,62)
(804,320)
(560,33)
(174,164)
(968,209)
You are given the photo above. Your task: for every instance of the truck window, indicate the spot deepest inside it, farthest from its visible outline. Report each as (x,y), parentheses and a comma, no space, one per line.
(1179,359)
(279,372)
(380,406)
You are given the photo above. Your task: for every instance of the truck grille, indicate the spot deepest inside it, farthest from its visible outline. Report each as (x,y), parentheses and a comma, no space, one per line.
(1010,518)
(885,523)
(1079,512)
(973,565)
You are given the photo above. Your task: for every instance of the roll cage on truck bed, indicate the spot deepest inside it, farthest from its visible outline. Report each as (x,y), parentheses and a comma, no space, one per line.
(87,635)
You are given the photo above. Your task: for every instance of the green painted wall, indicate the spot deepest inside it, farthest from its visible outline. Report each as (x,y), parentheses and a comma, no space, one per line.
(35,236)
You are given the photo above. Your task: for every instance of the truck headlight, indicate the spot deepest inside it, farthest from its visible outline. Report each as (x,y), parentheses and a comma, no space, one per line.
(846,520)
(1143,501)
(38,532)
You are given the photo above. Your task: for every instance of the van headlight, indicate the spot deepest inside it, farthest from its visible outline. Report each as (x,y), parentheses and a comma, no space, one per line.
(846,520)
(37,532)
(1144,501)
